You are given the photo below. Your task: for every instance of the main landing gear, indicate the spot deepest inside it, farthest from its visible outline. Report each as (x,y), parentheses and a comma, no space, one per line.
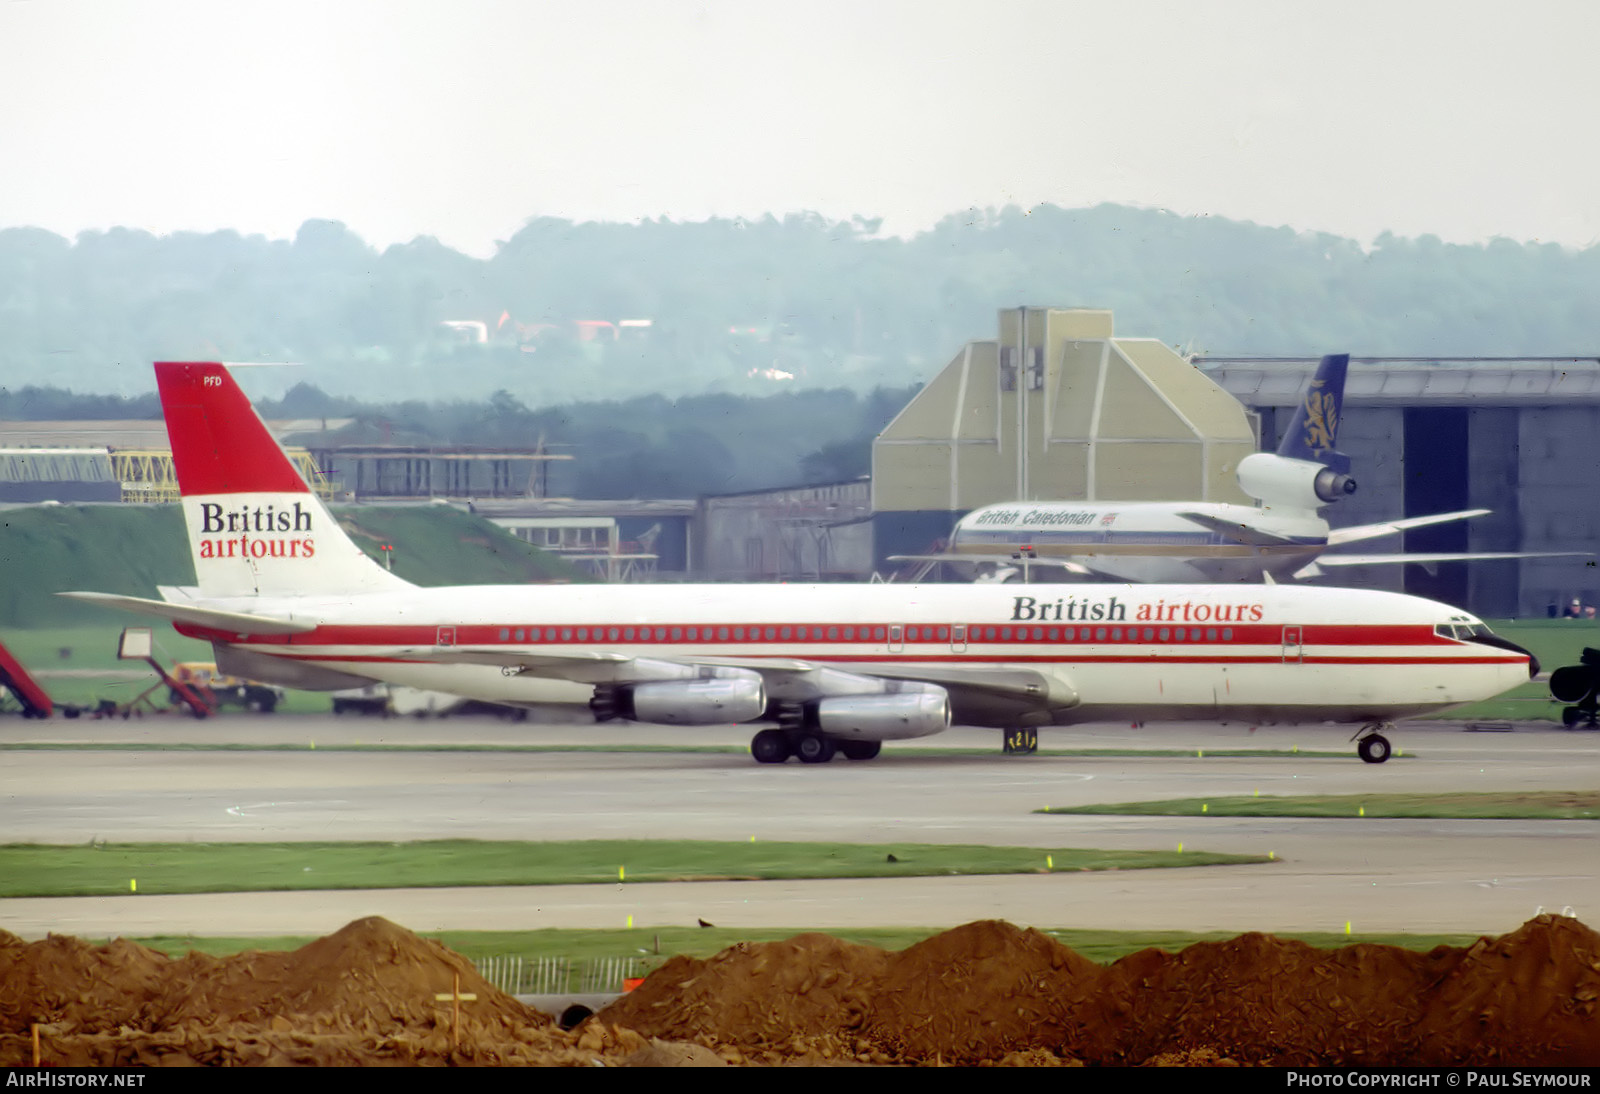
(1371,745)
(774,746)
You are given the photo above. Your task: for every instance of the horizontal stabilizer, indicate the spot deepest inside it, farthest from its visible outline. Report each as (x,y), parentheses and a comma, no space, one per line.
(235,622)
(1339,536)
(1317,567)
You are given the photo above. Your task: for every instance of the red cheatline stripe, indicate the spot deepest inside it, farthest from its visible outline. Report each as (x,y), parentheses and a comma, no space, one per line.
(873,634)
(922,659)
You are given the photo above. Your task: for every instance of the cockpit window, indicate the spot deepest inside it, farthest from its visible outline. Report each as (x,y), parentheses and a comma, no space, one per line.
(1462,632)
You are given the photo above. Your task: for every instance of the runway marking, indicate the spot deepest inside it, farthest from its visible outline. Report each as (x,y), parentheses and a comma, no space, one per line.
(240,810)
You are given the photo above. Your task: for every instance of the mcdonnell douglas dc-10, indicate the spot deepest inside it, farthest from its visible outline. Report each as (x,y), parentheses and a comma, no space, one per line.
(1176,541)
(286,597)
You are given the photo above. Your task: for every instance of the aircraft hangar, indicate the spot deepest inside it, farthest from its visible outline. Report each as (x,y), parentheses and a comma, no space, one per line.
(1059,407)
(1514,436)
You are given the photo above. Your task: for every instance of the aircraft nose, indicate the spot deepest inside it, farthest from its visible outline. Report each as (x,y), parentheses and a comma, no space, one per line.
(1533,662)
(1500,643)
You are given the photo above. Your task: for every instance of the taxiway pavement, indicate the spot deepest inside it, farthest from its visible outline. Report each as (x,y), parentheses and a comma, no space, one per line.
(1378,875)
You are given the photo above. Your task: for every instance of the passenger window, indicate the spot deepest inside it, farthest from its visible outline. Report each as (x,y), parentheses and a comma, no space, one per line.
(1100,634)
(1227,634)
(1116,634)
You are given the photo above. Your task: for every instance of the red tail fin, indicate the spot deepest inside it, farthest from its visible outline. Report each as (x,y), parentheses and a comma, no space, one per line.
(220,445)
(255,527)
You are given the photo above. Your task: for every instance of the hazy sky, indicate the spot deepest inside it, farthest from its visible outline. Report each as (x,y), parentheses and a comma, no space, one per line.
(1466,119)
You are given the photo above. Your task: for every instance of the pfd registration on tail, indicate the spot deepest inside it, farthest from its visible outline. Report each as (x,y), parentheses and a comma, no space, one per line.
(285,596)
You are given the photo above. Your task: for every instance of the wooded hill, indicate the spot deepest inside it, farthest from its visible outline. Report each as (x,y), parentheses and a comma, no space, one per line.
(736,306)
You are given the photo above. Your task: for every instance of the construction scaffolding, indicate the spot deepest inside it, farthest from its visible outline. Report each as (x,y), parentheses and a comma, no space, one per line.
(146,474)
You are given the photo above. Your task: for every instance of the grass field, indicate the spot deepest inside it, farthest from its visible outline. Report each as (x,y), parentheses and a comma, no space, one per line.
(131,549)
(657,943)
(114,868)
(1510,805)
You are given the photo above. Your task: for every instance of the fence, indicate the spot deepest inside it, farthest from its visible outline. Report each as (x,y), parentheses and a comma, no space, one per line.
(517,975)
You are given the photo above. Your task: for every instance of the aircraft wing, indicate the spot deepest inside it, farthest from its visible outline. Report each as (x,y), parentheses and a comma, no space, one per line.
(1316,568)
(1360,532)
(792,678)
(1239,533)
(999,560)
(237,622)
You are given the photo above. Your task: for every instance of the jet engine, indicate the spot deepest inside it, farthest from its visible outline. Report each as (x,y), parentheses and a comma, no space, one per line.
(1579,685)
(718,696)
(894,717)
(1295,484)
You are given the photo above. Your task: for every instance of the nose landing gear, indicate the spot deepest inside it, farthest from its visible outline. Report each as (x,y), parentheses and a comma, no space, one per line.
(1371,745)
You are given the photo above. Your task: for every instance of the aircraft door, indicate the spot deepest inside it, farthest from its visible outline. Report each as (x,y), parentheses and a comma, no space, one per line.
(1293,651)
(958,638)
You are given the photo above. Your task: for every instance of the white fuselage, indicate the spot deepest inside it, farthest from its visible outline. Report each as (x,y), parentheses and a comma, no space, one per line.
(1146,653)
(1148,541)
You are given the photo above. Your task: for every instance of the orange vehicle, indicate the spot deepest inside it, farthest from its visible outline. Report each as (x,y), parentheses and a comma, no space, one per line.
(225,690)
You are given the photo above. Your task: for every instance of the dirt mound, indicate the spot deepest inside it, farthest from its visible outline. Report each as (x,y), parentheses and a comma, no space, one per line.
(990,992)
(802,996)
(976,993)
(364,995)
(1532,992)
(985,993)
(1259,999)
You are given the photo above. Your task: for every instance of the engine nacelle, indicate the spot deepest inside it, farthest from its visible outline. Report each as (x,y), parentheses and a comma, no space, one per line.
(894,717)
(714,701)
(1295,484)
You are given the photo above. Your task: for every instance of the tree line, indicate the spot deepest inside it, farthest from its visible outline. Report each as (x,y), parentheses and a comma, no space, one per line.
(748,306)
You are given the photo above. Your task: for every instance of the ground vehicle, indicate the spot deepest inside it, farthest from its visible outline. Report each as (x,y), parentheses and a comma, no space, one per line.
(225,690)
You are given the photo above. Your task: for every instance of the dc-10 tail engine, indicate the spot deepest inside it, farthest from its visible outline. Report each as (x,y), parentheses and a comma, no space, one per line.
(1293,484)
